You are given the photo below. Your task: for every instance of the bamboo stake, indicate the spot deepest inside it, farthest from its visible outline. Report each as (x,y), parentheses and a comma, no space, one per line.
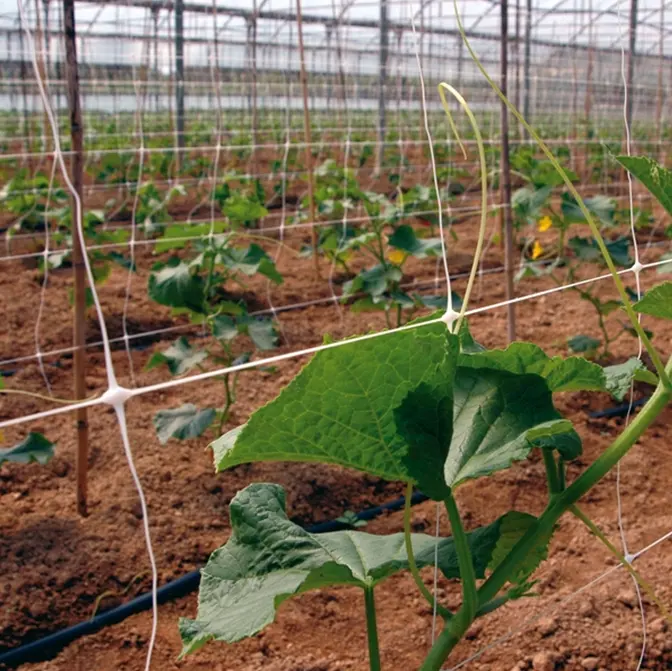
(77,174)
(307,139)
(505,181)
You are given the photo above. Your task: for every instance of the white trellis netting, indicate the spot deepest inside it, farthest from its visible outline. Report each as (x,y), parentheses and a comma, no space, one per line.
(242,96)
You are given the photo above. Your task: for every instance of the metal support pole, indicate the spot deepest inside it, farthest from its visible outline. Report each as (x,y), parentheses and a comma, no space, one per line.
(661,93)
(505,181)
(308,153)
(79,269)
(179,77)
(382,83)
(157,75)
(526,66)
(24,90)
(631,61)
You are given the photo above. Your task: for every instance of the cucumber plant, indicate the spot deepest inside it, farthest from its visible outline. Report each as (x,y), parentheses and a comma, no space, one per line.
(200,287)
(429,407)
(573,255)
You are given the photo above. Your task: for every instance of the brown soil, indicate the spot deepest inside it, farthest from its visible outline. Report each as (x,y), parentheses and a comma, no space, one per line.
(56,565)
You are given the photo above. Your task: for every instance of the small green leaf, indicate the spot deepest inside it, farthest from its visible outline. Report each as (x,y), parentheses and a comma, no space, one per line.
(583,344)
(656,178)
(619,377)
(180,357)
(513,528)
(34,447)
(587,249)
(182,423)
(601,207)
(665,268)
(261,331)
(405,239)
(224,327)
(250,261)
(241,209)
(268,559)
(657,302)
(174,285)
(374,281)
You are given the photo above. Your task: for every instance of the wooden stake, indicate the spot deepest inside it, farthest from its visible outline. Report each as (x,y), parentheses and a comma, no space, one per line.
(505,181)
(77,174)
(307,139)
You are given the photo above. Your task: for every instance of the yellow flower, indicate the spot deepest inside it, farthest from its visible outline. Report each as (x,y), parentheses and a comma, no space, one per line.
(544,223)
(397,256)
(537,250)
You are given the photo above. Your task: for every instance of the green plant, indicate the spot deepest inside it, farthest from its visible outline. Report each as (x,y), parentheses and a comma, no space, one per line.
(201,288)
(29,200)
(430,407)
(379,287)
(33,448)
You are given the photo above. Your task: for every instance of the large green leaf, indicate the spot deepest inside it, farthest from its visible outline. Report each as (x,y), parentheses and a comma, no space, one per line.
(339,408)
(34,447)
(173,284)
(182,423)
(480,424)
(180,357)
(570,374)
(657,302)
(268,559)
(656,178)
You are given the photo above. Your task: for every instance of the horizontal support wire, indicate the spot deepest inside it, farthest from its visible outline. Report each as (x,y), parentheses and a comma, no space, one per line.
(268,361)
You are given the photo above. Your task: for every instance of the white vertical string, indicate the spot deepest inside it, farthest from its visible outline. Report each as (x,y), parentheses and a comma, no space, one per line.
(444,253)
(139,129)
(114,396)
(45,282)
(636,270)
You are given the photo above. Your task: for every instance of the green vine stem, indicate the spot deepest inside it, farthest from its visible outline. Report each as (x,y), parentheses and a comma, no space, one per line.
(484,187)
(457,627)
(595,530)
(552,474)
(627,305)
(544,525)
(372,629)
(412,566)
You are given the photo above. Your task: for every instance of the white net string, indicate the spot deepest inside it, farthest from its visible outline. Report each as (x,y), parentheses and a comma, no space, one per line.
(117,396)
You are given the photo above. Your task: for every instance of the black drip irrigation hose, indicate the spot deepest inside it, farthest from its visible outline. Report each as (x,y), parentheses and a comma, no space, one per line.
(619,410)
(49,646)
